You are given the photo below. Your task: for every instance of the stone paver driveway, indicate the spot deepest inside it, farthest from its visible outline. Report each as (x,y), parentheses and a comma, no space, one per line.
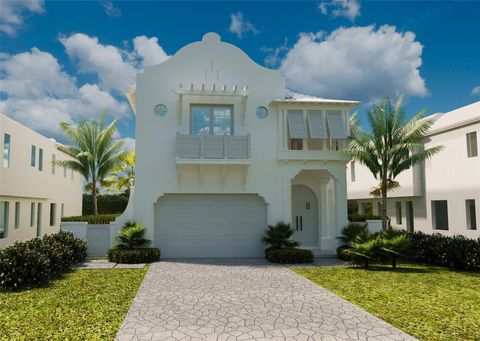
(243,299)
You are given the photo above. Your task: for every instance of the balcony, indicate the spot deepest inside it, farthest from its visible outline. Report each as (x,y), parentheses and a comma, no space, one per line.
(213,149)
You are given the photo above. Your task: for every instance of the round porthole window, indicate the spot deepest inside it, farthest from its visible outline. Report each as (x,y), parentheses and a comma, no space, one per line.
(160,110)
(262,112)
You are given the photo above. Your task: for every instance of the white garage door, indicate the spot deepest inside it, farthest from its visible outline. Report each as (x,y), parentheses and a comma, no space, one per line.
(210,225)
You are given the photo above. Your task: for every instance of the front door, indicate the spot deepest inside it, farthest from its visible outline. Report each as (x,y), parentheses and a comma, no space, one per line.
(305,215)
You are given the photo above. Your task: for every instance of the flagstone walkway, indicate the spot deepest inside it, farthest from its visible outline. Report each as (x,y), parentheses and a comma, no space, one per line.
(243,299)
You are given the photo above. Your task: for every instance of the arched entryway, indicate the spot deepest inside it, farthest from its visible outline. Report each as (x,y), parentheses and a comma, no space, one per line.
(305,216)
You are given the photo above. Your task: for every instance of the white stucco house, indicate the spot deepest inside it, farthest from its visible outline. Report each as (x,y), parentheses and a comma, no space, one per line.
(443,194)
(223,149)
(34,193)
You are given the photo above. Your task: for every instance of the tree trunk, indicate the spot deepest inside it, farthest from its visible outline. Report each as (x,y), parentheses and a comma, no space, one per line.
(384,205)
(94,196)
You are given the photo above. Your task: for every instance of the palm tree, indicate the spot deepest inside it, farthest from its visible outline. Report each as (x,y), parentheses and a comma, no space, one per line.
(393,145)
(93,154)
(123,175)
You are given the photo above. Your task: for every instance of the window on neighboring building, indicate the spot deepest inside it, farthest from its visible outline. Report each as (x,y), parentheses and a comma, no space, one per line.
(62,210)
(367,208)
(296,144)
(211,120)
(17,215)
(64,171)
(352,171)
(54,166)
(71,175)
(472,147)
(40,159)
(471,214)
(39,219)
(32,214)
(33,155)
(440,214)
(398,212)
(6,150)
(53,213)
(4,207)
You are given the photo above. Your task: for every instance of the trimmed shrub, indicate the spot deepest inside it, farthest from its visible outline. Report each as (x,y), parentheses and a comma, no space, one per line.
(361,218)
(133,256)
(342,254)
(107,204)
(289,256)
(91,219)
(456,252)
(37,260)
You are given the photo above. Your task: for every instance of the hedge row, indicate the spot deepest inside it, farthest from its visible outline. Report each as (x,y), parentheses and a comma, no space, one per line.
(289,256)
(91,219)
(38,260)
(133,256)
(107,203)
(456,252)
(361,218)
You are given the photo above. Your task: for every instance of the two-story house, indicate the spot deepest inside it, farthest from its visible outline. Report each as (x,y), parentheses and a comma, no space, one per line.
(34,192)
(224,149)
(441,195)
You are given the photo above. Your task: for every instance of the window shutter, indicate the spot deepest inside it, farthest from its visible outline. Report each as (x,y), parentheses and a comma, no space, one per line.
(296,124)
(336,126)
(316,124)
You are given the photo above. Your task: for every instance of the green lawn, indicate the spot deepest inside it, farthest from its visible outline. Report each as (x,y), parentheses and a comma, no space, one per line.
(430,303)
(84,304)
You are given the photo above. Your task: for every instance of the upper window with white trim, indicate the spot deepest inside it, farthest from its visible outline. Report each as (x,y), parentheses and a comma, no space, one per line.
(211,119)
(472,147)
(6,150)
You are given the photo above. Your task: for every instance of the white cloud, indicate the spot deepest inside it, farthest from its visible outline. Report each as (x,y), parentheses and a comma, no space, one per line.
(39,94)
(106,61)
(149,50)
(128,143)
(476,90)
(116,68)
(110,8)
(34,74)
(12,13)
(273,55)
(239,26)
(341,8)
(362,63)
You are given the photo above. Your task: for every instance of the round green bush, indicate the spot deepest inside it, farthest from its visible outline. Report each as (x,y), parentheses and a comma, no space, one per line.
(289,256)
(133,256)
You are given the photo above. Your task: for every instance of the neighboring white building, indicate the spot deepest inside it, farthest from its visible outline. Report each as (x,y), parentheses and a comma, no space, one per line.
(223,149)
(443,194)
(34,194)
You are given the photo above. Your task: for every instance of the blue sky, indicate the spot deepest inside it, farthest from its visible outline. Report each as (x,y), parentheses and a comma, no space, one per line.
(62,59)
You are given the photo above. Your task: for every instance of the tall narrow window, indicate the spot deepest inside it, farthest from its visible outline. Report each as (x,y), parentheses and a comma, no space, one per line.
(54,166)
(33,155)
(64,171)
(398,212)
(53,213)
(17,215)
(32,214)
(40,159)
(39,219)
(62,210)
(4,207)
(471,214)
(6,150)
(71,175)
(352,171)
(472,147)
(440,214)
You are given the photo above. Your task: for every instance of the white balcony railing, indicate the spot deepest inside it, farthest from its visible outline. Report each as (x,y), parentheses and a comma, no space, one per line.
(213,147)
